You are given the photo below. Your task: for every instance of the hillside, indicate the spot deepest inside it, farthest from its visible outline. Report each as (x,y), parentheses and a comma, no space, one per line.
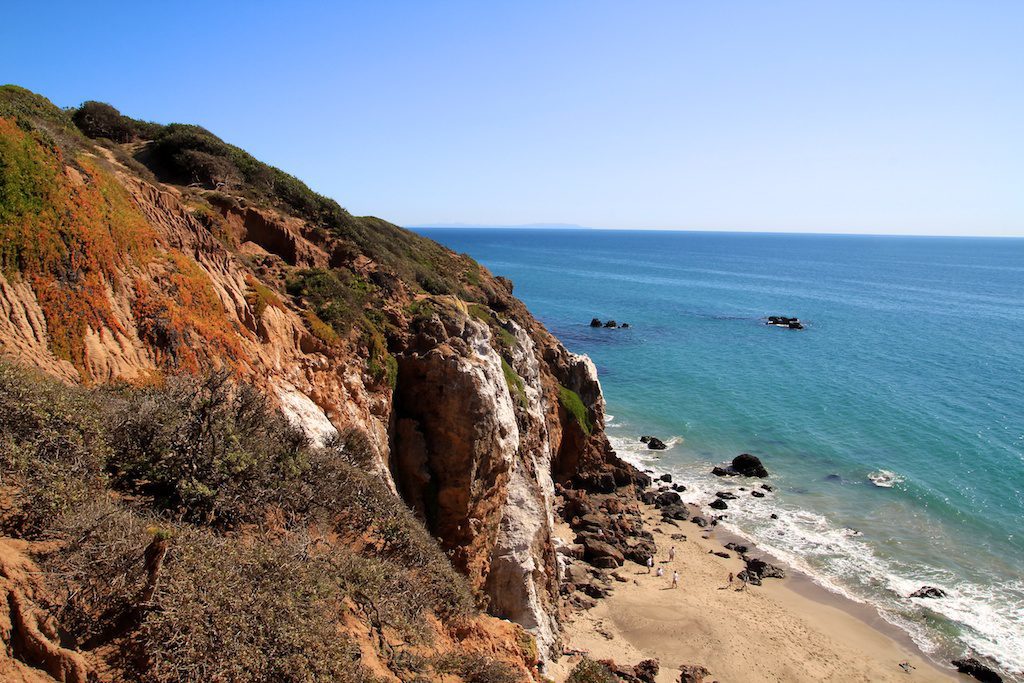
(245,435)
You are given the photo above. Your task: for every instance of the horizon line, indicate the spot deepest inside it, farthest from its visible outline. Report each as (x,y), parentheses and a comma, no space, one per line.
(574,226)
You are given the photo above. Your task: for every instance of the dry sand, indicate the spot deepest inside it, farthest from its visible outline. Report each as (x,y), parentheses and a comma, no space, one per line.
(772,632)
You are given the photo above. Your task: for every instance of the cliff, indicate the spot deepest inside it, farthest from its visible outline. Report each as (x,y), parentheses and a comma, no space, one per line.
(146,253)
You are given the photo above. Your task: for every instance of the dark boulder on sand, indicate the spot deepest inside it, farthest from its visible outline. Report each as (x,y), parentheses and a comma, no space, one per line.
(757,569)
(972,667)
(595,322)
(741,549)
(666,498)
(928,592)
(601,554)
(674,512)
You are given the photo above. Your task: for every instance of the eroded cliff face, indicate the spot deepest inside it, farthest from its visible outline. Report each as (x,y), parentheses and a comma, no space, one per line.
(461,401)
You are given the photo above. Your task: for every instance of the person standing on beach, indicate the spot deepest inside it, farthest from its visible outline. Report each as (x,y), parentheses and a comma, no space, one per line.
(650,563)
(672,554)
(675,579)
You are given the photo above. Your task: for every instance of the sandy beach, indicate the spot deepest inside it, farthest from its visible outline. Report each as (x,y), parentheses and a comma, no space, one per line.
(784,630)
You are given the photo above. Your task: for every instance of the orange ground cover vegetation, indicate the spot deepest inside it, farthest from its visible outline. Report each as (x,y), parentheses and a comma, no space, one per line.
(73,232)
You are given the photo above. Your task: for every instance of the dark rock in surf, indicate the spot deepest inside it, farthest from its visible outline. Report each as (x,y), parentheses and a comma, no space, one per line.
(748,465)
(972,667)
(725,495)
(594,322)
(624,326)
(757,494)
(655,444)
(719,504)
(611,323)
(667,478)
(744,464)
(928,592)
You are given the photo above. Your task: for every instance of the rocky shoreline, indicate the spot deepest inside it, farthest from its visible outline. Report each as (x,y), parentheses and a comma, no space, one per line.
(609,537)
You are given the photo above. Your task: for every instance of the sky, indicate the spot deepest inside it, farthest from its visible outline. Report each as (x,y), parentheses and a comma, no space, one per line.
(826,116)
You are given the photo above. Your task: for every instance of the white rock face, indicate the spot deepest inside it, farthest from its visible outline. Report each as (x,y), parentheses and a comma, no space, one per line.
(521,565)
(305,414)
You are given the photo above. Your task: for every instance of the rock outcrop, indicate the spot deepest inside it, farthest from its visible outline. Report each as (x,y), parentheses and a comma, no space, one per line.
(469,409)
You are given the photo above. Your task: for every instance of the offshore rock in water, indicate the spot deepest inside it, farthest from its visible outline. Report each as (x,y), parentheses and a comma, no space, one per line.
(928,592)
(719,504)
(611,323)
(783,321)
(595,322)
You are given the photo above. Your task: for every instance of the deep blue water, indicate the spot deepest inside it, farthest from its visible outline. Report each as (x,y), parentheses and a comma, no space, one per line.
(910,373)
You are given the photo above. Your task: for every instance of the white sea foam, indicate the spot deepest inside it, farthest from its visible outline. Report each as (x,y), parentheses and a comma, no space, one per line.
(885,479)
(840,559)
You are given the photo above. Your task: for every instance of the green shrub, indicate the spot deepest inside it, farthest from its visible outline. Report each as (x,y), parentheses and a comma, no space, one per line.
(515,383)
(100,120)
(589,671)
(336,296)
(259,297)
(572,402)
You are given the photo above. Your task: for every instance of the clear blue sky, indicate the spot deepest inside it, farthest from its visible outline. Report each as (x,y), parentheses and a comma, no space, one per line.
(857,116)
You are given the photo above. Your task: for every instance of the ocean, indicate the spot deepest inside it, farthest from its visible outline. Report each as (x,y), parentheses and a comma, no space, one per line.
(893,425)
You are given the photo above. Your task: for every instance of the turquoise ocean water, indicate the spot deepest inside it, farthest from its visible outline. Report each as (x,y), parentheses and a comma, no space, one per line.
(893,426)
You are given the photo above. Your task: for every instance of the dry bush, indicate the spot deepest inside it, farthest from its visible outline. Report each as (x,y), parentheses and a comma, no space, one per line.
(589,671)
(473,667)
(207,449)
(52,446)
